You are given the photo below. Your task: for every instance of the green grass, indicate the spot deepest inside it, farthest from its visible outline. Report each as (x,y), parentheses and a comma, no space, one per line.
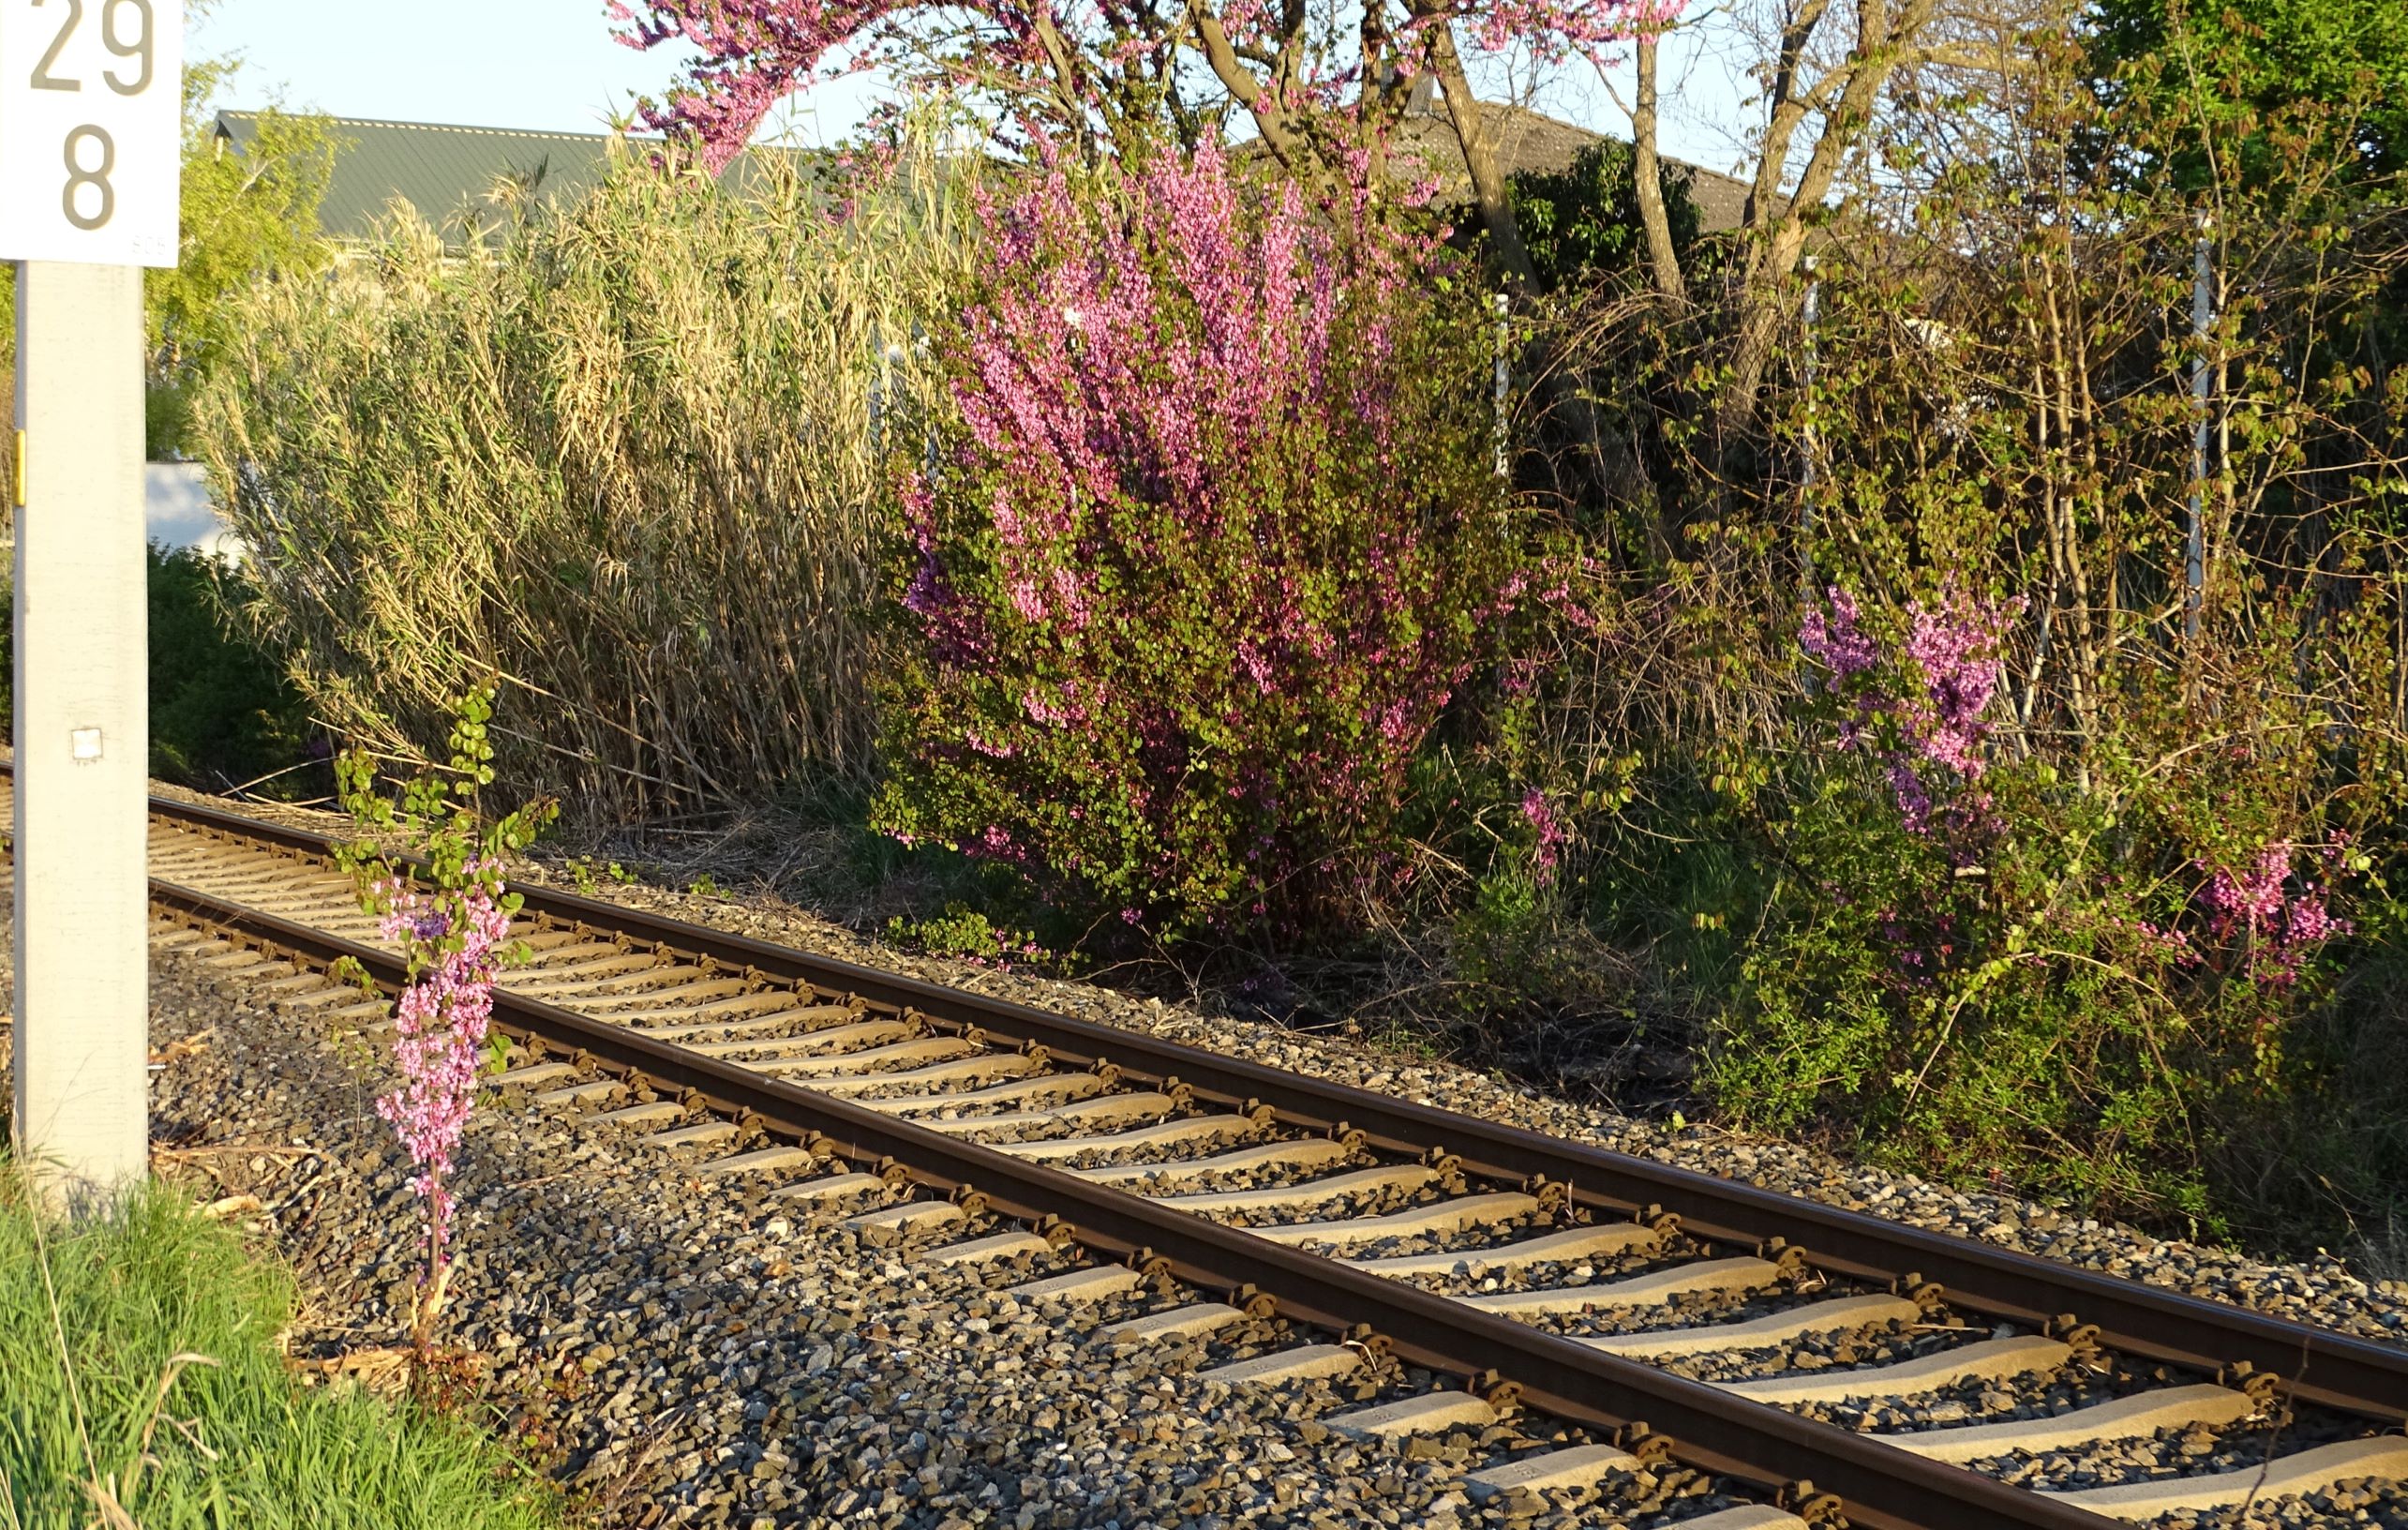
(151,1324)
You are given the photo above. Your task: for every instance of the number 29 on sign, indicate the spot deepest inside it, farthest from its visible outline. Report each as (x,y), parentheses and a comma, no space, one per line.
(91,104)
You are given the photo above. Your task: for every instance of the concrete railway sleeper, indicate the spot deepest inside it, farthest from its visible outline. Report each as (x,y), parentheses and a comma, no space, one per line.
(1702,1335)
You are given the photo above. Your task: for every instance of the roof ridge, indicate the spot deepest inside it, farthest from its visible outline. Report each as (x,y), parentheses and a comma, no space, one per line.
(1532,113)
(449,127)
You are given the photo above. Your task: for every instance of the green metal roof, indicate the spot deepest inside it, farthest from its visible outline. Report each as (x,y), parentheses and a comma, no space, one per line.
(446,172)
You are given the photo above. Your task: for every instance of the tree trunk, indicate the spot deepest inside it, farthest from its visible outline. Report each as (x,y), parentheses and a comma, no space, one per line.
(1480,159)
(1272,119)
(1761,313)
(1647,172)
(1846,97)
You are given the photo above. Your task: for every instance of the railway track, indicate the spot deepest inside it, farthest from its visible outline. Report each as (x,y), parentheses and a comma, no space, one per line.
(1284,1228)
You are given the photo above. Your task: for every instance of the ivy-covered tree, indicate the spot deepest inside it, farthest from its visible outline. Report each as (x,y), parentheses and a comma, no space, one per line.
(1585,222)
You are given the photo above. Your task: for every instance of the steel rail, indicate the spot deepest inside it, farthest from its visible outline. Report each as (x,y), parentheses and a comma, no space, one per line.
(2313,1365)
(1876,1486)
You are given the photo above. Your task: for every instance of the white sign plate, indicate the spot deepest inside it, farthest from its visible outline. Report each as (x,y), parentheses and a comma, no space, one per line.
(90,129)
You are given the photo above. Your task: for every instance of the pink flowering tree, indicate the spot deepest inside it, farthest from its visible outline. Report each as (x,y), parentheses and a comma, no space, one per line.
(1322,89)
(1211,538)
(448,911)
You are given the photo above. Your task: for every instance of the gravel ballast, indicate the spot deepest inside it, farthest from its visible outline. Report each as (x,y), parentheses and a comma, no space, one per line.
(705,1354)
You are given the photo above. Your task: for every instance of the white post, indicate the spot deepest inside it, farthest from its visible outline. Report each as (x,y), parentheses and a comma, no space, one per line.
(83,732)
(89,136)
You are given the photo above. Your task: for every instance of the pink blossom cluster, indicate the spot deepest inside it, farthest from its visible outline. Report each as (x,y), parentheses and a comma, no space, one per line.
(1552,837)
(1079,393)
(752,53)
(2250,906)
(1078,397)
(1838,642)
(455,944)
(1956,648)
(1555,30)
(1950,666)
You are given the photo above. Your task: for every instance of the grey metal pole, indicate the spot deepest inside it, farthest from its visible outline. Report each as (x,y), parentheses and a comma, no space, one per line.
(2203,322)
(1504,376)
(1810,441)
(82,731)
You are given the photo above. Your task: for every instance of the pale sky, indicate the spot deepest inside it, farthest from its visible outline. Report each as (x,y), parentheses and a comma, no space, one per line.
(544,65)
(552,64)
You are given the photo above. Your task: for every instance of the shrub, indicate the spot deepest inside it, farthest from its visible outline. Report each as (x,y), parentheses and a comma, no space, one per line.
(623,458)
(2037,863)
(223,713)
(968,935)
(1215,538)
(1983,961)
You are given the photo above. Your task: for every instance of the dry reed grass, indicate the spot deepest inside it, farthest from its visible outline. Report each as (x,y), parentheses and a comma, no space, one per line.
(623,458)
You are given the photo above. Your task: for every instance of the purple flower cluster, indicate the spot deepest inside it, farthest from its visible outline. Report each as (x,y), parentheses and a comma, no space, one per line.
(1079,393)
(2277,928)
(1950,672)
(453,943)
(1838,642)
(1956,648)
(1552,837)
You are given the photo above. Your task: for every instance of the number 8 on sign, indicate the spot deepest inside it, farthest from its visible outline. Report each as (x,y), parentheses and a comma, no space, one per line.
(91,93)
(97,176)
